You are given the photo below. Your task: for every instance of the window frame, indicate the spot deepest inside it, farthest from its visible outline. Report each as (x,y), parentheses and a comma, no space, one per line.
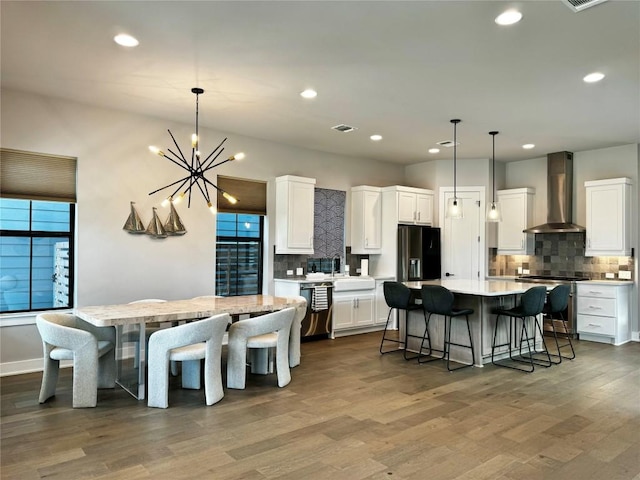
(34,234)
(239,240)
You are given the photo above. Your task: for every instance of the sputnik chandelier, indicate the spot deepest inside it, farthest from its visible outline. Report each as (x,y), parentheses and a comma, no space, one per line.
(195,167)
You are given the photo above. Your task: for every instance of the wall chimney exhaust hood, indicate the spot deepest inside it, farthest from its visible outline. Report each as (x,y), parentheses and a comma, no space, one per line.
(559,196)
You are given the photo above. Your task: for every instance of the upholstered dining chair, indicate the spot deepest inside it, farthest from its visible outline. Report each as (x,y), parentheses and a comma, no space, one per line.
(92,349)
(266,331)
(188,343)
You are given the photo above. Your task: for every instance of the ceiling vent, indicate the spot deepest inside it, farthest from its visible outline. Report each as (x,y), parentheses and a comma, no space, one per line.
(447,143)
(344,128)
(579,5)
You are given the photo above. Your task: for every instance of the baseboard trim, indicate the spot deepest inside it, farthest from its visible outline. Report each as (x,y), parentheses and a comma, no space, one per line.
(27,366)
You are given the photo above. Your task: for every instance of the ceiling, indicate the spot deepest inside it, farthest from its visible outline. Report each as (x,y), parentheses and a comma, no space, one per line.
(394,68)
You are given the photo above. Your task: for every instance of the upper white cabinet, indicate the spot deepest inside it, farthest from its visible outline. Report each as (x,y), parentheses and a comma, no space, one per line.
(294,214)
(414,206)
(366,220)
(608,217)
(517,214)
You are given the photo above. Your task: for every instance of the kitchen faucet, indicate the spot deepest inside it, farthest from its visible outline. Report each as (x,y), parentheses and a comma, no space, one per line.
(333,265)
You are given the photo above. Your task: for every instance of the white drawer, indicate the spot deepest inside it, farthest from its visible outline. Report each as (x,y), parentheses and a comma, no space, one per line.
(599,291)
(605,307)
(596,325)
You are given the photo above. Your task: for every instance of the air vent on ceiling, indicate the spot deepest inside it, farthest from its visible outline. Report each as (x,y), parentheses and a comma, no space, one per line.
(579,5)
(447,143)
(344,128)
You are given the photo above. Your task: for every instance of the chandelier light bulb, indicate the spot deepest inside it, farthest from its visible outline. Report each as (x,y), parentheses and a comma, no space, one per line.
(178,199)
(212,208)
(194,140)
(231,199)
(165,203)
(155,150)
(238,156)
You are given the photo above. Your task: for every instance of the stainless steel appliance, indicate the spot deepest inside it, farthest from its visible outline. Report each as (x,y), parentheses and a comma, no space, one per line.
(317,322)
(570,314)
(559,196)
(418,253)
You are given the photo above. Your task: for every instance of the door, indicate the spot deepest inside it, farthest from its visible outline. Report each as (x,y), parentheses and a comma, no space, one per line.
(463,238)
(406,207)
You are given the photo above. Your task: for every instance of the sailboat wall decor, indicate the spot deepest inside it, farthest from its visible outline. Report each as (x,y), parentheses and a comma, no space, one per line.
(173,225)
(134,222)
(155,228)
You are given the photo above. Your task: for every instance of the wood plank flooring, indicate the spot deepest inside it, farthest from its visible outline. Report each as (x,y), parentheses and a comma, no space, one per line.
(348,413)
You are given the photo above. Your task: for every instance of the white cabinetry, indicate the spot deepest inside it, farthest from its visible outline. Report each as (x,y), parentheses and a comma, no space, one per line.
(294,214)
(603,313)
(366,220)
(382,309)
(517,214)
(608,217)
(414,206)
(353,309)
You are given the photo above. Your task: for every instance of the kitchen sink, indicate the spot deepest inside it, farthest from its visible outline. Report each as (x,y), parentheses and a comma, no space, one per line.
(353,283)
(325,276)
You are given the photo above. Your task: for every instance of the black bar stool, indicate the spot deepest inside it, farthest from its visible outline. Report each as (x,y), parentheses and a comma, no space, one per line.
(531,305)
(557,301)
(398,296)
(439,300)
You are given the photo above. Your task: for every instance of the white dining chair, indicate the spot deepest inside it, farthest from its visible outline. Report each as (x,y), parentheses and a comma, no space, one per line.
(189,344)
(266,331)
(92,349)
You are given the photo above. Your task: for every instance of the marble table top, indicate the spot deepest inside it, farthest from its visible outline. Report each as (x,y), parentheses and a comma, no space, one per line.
(482,288)
(176,310)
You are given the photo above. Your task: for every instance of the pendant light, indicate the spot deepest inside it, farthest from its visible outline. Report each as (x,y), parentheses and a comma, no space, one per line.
(454,205)
(493,208)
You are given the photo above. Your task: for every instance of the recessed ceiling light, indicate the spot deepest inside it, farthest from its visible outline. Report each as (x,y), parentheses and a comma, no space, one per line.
(528,146)
(376,138)
(309,93)
(593,77)
(434,150)
(126,40)
(508,18)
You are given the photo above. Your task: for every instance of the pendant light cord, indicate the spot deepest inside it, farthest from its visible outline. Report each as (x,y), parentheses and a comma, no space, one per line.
(455,156)
(493,166)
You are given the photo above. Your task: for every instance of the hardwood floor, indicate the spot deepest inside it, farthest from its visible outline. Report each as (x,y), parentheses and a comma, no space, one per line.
(349,413)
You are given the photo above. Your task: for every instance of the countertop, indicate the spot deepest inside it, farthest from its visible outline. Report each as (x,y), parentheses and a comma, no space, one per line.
(482,288)
(303,279)
(592,282)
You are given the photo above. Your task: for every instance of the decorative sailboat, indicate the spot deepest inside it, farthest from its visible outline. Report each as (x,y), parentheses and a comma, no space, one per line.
(134,222)
(155,228)
(173,225)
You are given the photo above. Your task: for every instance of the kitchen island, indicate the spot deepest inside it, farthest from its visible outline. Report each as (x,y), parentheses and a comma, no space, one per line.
(484,297)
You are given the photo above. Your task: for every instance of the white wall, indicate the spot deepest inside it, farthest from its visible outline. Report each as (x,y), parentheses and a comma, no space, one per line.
(115,167)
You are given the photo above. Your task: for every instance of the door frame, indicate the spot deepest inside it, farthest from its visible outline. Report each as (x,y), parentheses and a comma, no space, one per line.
(481,190)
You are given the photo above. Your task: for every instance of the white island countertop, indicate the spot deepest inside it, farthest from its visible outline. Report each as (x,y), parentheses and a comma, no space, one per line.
(481,288)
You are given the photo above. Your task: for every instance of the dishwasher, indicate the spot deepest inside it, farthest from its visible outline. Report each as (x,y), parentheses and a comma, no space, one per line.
(317,323)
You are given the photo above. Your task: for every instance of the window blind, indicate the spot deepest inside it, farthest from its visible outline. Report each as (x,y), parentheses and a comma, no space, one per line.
(37,176)
(251,195)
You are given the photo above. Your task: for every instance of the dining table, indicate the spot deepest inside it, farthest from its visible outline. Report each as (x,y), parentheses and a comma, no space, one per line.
(133,317)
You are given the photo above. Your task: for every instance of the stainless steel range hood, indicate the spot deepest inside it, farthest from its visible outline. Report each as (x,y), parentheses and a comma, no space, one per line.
(559,196)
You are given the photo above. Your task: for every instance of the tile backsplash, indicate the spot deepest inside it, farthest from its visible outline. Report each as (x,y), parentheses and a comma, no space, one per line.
(559,254)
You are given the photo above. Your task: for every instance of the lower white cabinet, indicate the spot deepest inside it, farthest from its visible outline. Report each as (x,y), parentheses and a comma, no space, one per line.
(353,309)
(382,309)
(603,313)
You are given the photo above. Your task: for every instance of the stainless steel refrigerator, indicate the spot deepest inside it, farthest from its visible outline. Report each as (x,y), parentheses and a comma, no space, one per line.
(418,253)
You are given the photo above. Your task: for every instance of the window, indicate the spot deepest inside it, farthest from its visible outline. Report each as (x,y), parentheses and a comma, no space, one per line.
(36,255)
(239,254)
